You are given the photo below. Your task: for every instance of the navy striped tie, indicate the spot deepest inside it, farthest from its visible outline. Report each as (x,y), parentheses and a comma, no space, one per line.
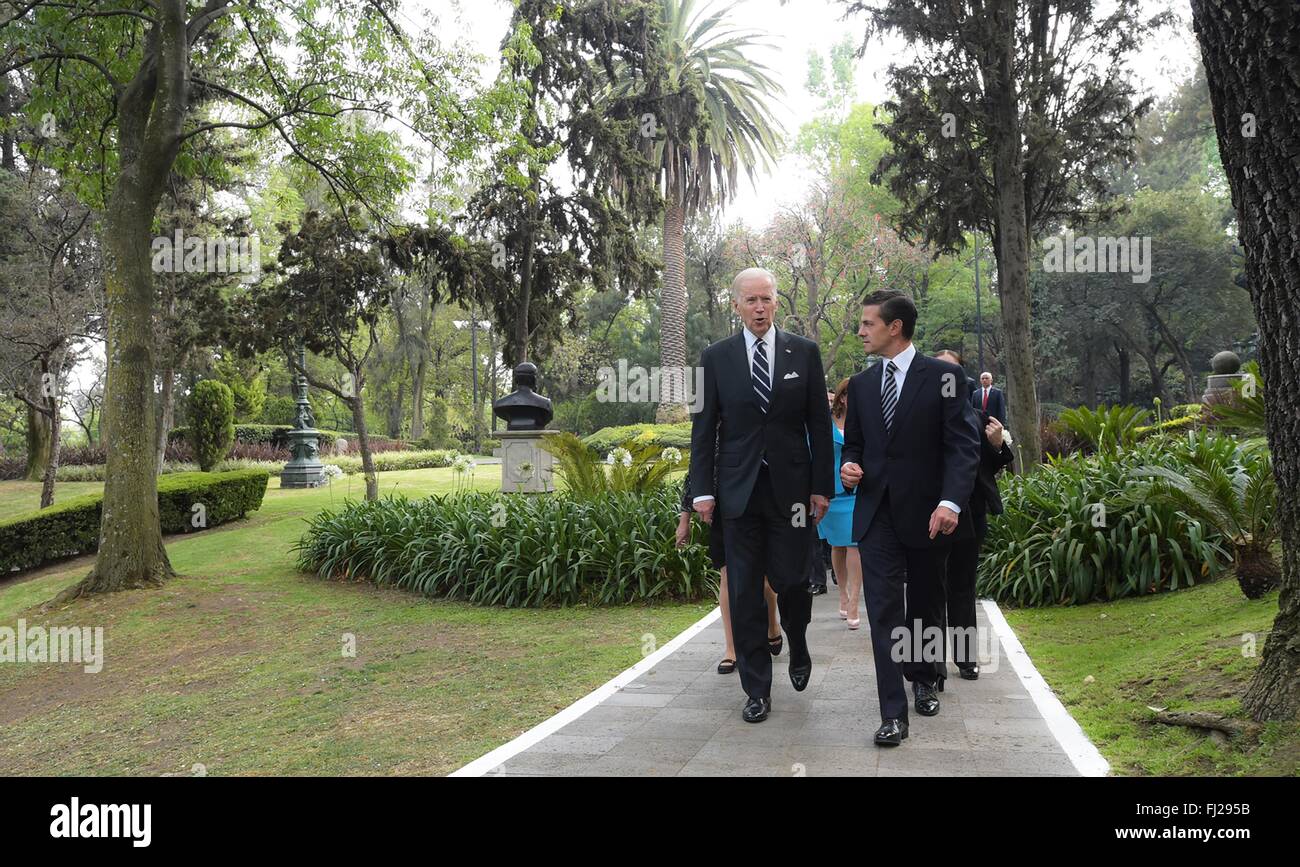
(889,396)
(760,376)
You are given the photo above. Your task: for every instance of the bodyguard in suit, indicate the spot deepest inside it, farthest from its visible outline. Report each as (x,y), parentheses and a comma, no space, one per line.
(765,401)
(990,399)
(911,449)
(963,560)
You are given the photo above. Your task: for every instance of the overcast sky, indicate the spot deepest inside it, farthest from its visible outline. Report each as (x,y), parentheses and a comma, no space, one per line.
(795,29)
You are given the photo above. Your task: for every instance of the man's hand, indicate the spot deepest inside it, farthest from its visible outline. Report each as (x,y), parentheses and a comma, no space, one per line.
(942,520)
(993,430)
(850,475)
(704,509)
(683,529)
(819,506)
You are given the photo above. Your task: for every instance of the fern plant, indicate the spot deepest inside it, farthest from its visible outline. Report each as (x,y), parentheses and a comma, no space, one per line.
(1106,428)
(1228,488)
(1244,411)
(637,467)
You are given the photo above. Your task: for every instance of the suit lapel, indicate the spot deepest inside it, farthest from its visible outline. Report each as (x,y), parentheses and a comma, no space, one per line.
(916,374)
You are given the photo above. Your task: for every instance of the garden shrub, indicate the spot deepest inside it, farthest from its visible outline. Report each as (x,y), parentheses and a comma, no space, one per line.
(71,527)
(212,422)
(603,441)
(516,550)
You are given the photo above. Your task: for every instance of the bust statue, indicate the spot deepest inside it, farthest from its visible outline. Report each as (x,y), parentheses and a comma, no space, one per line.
(524,409)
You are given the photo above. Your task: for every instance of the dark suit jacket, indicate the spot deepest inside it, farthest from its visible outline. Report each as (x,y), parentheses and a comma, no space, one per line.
(931,454)
(794,434)
(985,497)
(997,402)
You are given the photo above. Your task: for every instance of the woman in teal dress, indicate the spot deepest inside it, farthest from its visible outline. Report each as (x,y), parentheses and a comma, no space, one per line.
(836,527)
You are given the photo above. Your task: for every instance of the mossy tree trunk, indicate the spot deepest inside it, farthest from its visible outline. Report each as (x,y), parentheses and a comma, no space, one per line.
(150,111)
(1251,52)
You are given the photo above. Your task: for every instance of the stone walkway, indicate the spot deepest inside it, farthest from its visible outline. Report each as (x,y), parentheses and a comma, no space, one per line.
(682,718)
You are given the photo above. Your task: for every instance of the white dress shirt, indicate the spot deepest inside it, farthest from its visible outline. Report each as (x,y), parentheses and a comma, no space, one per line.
(769,349)
(903,362)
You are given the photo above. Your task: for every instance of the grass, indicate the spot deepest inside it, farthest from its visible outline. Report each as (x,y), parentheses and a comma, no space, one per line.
(1183,651)
(239,664)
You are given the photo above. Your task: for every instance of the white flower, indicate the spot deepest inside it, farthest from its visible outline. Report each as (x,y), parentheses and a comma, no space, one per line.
(332,472)
(609,458)
(622,455)
(672,455)
(463,464)
(1006,436)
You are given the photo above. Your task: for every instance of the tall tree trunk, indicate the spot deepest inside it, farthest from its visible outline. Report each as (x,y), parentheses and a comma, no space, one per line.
(1013,241)
(1251,52)
(672,315)
(1125,373)
(55,421)
(38,442)
(395,412)
(1089,376)
(150,110)
(166,414)
(363,439)
(417,400)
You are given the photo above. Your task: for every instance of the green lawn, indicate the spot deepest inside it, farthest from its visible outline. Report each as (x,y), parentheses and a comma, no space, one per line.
(1181,651)
(239,666)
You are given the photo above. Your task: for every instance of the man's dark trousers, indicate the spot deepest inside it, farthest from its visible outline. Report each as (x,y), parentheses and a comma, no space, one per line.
(779,551)
(900,586)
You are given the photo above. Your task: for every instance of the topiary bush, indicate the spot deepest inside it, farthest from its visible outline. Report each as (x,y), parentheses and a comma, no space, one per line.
(212,422)
(516,550)
(71,527)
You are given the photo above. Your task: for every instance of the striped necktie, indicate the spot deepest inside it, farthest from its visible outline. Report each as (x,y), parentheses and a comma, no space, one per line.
(760,376)
(889,396)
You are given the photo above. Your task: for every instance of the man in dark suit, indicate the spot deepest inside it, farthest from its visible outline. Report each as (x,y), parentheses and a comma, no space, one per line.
(963,560)
(990,399)
(911,449)
(764,401)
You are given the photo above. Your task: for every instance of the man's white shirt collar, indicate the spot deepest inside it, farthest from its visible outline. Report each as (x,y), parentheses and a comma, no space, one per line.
(903,360)
(769,338)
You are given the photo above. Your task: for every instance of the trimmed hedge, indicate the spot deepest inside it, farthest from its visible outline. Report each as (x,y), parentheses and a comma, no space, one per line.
(277,435)
(72,527)
(607,438)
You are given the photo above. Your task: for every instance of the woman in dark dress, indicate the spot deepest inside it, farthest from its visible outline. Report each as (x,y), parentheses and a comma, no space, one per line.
(716,556)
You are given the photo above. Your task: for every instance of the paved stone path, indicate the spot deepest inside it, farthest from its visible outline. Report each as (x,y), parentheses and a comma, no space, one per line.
(683,718)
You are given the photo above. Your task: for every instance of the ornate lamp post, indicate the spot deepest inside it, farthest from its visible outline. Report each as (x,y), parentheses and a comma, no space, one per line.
(304,469)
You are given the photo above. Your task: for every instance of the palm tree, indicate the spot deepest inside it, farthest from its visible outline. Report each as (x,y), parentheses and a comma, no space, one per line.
(713,122)
(1229,488)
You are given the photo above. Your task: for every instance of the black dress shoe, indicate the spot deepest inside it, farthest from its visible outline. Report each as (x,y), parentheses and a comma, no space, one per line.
(800,672)
(969,672)
(816,589)
(927,700)
(891,733)
(756,710)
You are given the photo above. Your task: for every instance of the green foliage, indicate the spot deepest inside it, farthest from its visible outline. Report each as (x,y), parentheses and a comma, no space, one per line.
(1173,425)
(437,430)
(1107,427)
(1070,535)
(606,439)
(1227,486)
(249,389)
(515,550)
(72,527)
(637,467)
(279,410)
(212,422)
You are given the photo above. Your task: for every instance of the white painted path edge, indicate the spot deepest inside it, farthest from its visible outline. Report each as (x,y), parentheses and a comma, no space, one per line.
(1082,753)
(482,765)
(1087,760)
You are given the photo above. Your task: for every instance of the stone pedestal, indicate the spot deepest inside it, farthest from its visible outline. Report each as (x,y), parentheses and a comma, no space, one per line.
(1221,384)
(526,467)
